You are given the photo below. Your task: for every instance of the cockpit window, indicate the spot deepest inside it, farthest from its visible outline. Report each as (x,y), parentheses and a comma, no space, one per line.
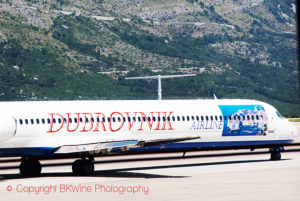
(279,115)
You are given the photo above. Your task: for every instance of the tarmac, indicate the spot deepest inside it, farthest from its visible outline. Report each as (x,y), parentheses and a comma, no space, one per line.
(215,175)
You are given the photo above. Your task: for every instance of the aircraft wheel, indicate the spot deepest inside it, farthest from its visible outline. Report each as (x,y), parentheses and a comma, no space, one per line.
(30,167)
(275,156)
(83,167)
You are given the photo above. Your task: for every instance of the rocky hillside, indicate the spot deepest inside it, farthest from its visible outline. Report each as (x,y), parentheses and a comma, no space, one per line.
(71,49)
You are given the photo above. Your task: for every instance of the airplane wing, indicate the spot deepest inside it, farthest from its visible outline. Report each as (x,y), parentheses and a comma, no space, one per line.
(106,147)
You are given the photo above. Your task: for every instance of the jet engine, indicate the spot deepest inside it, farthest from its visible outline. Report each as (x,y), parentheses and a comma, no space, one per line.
(8,127)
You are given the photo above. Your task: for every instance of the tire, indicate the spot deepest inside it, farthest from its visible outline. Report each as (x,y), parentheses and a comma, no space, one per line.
(83,168)
(30,167)
(275,156)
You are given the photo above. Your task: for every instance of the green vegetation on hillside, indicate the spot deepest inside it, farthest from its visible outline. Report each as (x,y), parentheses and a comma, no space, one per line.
(257,60)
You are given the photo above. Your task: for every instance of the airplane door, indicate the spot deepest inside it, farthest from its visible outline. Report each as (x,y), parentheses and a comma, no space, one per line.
(271,126)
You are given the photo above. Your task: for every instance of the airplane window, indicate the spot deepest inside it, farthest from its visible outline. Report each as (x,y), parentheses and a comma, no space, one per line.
(59,120)
(134,119)
(43,121)
(239,117)
(37,121)
(93,120)
(54,120)
(75,120)
(129,120)
(173,118)
(70,120)
(86,119)
(230,117)
(164,118)
(197,117)
(21,121)
(279,115)
(221,118)
(154,119)
(103,119)
(158,118)
(114,119)
(225,118)
(48,120)
(187,118)
(206,118)
(183,119)
(119,119)
(178,118)
(124,119)
(248,117)
(216,118)
(252,117)
(31,120)
(257,117)
(139,119)
(262,117)
(65,120)
(80,119)
(193,118)
(108,119)
(244,118)
(144,118)
(149,119)
(202,118)
(211,118)
(26,121)
(98,119)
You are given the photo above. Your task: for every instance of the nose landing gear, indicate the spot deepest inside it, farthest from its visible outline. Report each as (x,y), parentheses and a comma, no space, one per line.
(275,153)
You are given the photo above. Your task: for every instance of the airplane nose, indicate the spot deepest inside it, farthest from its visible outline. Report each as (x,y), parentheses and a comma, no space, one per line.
(295,131)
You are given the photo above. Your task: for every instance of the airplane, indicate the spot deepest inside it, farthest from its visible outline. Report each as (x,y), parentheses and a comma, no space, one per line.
(35,130)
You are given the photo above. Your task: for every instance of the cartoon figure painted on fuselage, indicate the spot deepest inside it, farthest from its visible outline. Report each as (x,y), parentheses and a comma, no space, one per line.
(245,121)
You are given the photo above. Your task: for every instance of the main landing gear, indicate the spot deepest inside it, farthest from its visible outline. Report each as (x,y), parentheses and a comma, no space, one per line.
(275,153)
(83,167)
(31,167)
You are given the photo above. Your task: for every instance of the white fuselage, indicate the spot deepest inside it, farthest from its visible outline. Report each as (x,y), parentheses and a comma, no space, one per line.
(51,124)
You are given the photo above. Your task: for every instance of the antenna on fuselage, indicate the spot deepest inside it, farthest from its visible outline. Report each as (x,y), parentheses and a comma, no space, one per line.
(158,77)
(215,97)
